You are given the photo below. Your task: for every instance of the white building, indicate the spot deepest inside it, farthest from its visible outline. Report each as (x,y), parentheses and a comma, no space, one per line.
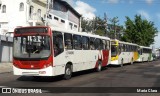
(157,52)
(16,13)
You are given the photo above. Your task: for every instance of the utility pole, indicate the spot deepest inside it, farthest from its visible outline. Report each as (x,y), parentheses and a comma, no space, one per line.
(114,21)
(47,12)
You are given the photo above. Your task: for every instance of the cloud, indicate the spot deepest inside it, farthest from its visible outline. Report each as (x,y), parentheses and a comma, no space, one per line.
(118,1)
(85,9)
(111,1)
(144,14)
(149,1)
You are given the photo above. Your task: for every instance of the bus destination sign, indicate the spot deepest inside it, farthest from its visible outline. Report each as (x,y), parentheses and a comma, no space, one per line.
(30,30)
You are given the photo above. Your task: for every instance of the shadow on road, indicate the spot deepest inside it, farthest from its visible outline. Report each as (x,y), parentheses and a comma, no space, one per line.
(56,78)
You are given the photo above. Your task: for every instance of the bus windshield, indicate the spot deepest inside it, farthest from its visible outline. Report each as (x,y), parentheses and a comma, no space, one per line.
(31,47)
(113,50)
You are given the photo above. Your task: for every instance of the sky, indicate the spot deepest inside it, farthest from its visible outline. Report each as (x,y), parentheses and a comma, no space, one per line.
(148,9)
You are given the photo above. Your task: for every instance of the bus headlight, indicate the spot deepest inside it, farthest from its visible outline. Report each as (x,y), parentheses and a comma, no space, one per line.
(47,65)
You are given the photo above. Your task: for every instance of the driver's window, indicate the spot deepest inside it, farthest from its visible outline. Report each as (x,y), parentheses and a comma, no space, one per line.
(57,43)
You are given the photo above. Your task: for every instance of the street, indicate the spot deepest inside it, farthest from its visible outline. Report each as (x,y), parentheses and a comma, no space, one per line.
(145,74)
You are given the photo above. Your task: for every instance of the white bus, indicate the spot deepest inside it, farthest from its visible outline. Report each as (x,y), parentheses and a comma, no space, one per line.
(45,51)
(123,52)
(144,54)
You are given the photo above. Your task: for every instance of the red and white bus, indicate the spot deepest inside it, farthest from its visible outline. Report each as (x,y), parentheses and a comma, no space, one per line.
(46,51)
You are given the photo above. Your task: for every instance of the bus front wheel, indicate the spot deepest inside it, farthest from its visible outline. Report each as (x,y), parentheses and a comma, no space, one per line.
(68,72)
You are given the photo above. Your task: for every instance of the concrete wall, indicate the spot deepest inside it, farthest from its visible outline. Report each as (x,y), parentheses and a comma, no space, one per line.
(6,46)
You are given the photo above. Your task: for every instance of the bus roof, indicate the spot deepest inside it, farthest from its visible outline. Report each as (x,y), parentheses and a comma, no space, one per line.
(124,42)
(78,33)
(145,47)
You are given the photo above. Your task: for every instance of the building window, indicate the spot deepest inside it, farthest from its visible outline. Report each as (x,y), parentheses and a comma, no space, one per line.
(4,9)
(62,21)
(21,7)
(50,16)
(75,26)
(56,18)
(39,13)
(31,11)
(71,25)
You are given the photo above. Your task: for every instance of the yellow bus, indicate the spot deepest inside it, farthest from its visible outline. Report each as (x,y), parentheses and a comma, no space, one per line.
(123,52)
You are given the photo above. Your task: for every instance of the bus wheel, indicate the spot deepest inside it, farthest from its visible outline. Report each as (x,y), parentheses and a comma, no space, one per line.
(68,72)
(121,65)
(132,61)
(99,67)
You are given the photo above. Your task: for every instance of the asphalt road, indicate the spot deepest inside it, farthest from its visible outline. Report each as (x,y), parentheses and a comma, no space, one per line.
(145,74)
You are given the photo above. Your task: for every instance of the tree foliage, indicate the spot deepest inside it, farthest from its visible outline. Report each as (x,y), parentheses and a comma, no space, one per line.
(139,31)
(96,26)
(115,30)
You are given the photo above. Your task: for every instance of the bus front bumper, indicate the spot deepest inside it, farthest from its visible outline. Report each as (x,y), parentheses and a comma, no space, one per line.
(34,72)
(115,62)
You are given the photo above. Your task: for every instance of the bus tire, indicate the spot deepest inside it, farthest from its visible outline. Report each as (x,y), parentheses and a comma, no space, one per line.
(68,72)
(132,61)
(121,65)
(99,67)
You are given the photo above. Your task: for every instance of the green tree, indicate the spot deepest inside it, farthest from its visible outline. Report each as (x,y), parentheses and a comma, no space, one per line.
(115,30)
(139,31)
(99,26)
(86,25)
(96,26)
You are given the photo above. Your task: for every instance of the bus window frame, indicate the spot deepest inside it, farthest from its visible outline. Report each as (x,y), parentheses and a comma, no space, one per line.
(62,49)
(71,41)
(80,43)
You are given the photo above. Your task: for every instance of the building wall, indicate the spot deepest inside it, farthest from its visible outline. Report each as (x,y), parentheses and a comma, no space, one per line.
(13,17)
(6,46)
(37,5)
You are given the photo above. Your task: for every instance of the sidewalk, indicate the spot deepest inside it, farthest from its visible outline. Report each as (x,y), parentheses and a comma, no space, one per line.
(5,67)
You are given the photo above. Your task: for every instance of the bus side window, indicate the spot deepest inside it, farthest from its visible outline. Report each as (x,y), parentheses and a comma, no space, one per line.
(100,45)
(108,45)
(92,47)
(104,44)
(85,43)
(68,41)
(77,42)
(58,43)
(122,49)
(96,44)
